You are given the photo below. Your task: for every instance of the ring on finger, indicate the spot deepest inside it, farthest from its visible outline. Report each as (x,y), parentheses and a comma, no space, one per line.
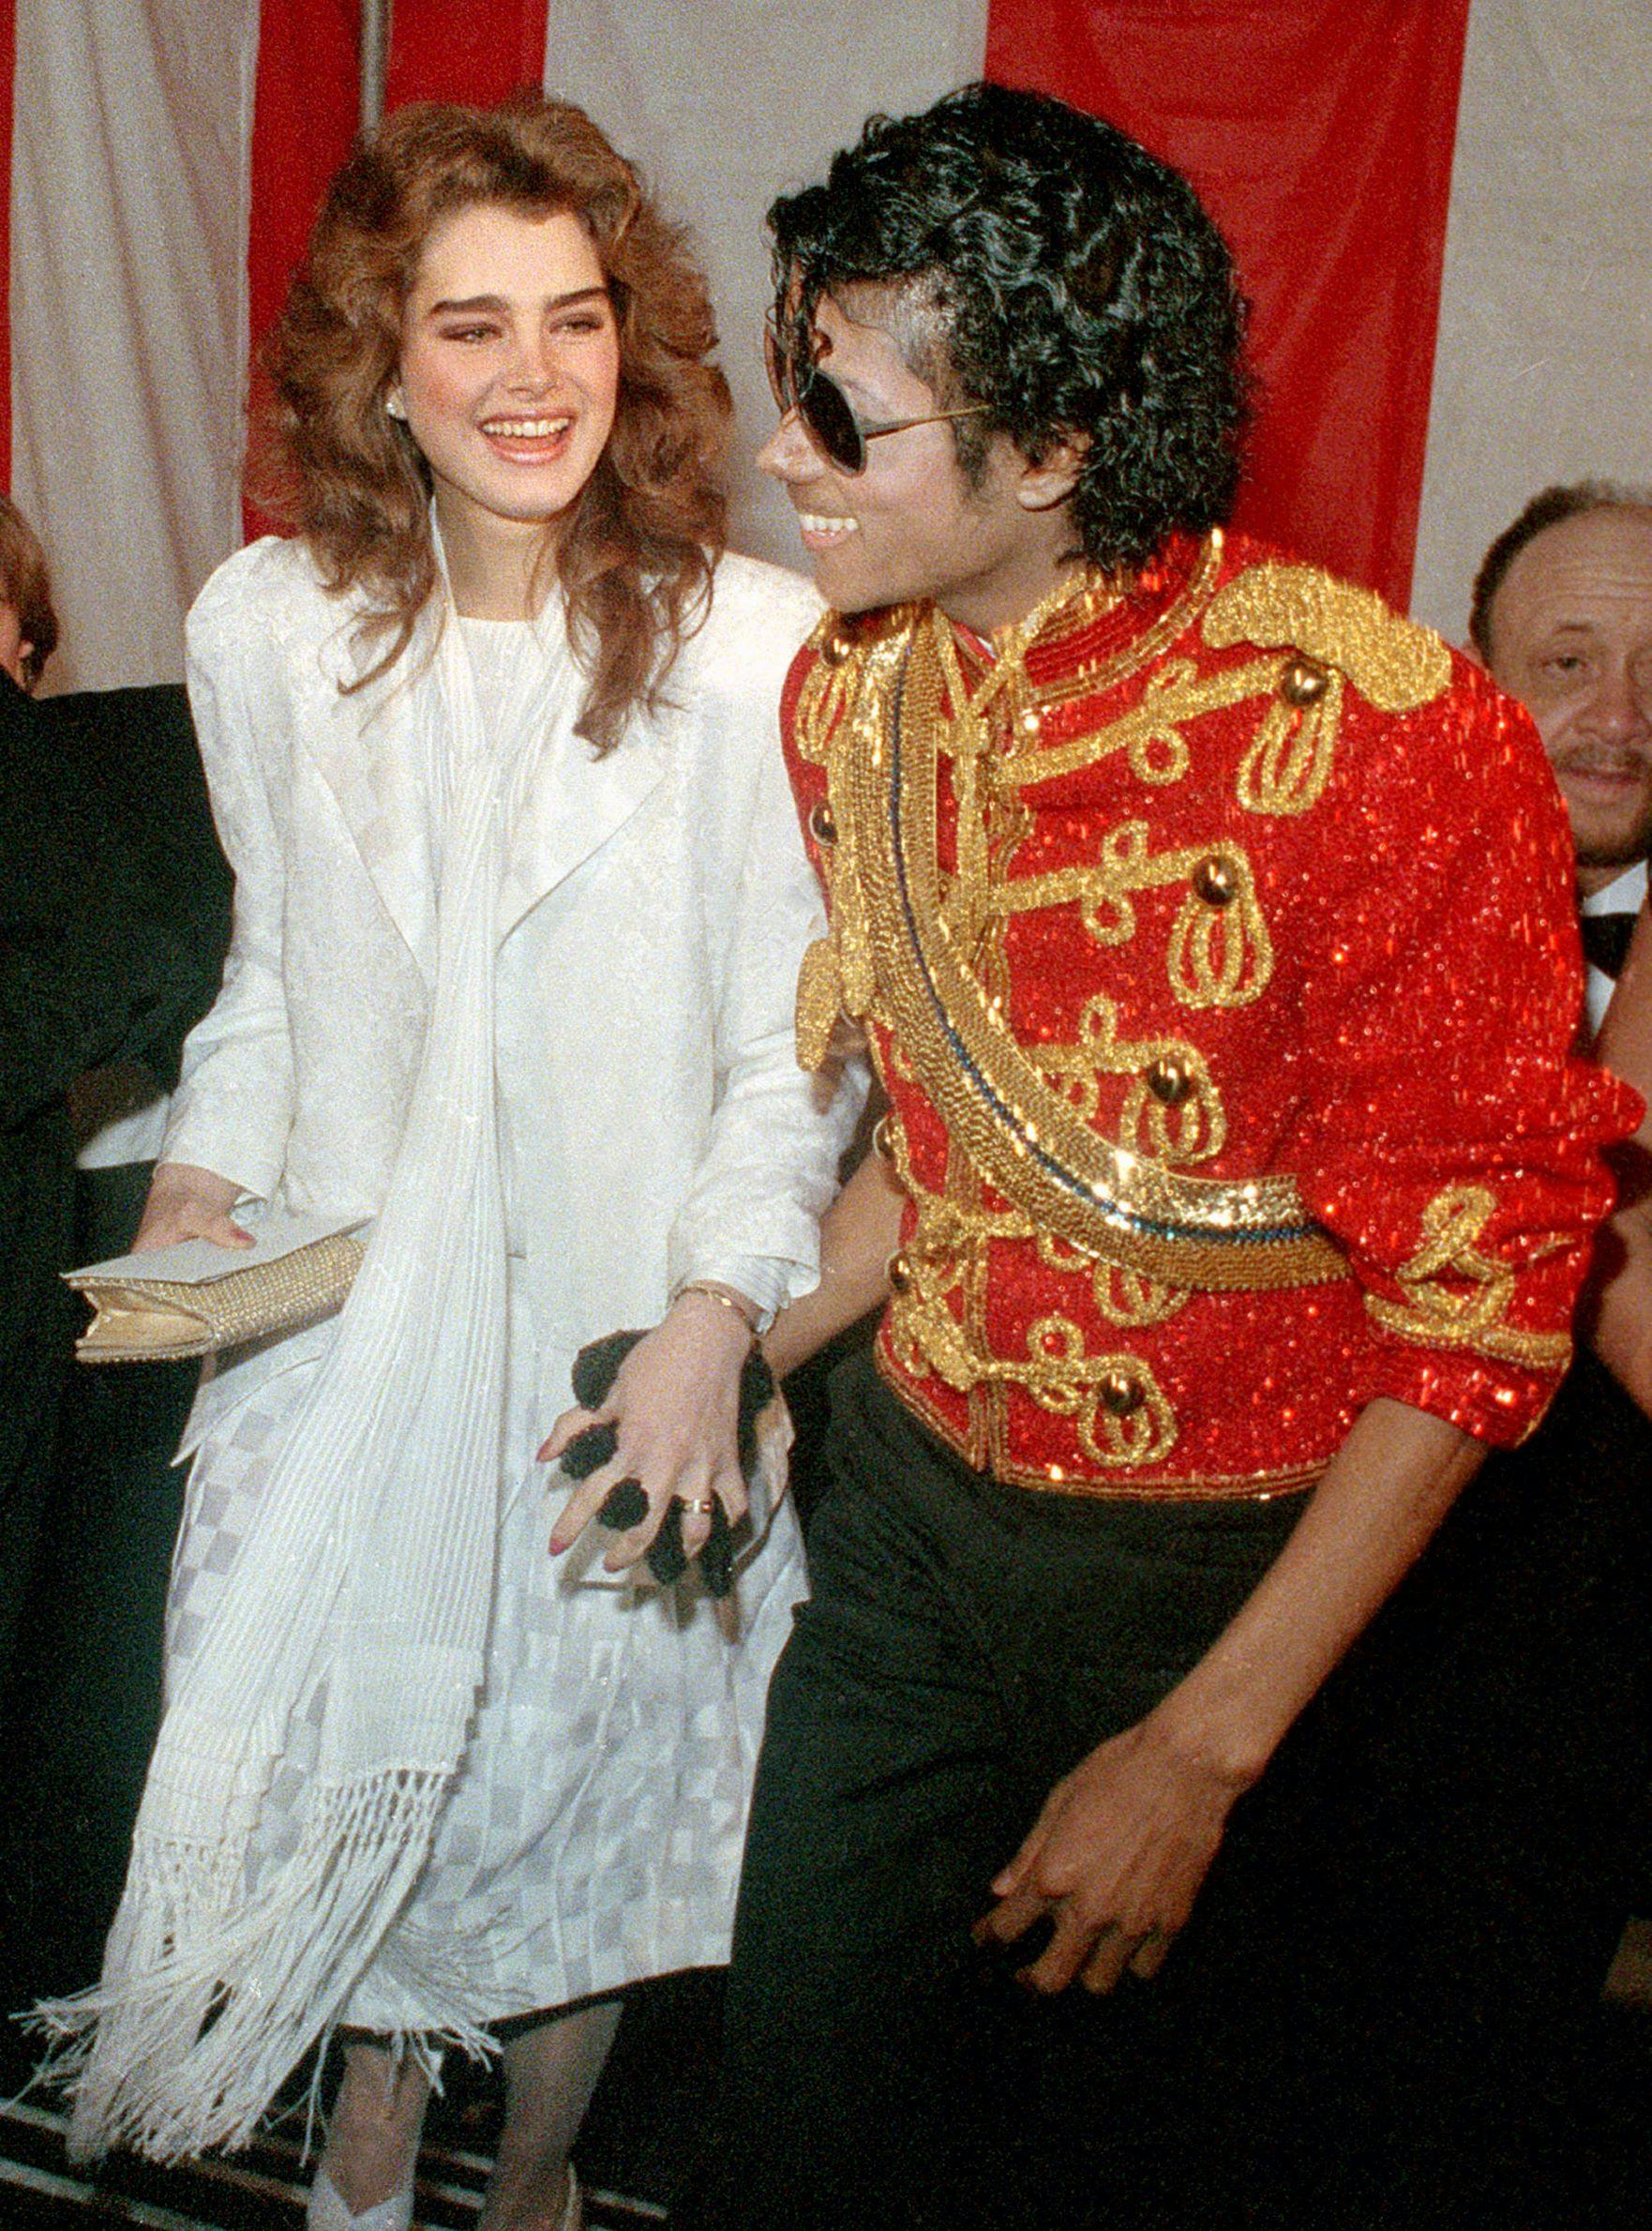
(699,1506)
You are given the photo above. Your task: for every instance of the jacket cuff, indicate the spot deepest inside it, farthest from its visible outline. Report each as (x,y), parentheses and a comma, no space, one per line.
(1498,1404)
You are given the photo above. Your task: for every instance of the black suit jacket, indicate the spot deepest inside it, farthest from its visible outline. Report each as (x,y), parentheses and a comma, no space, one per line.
(113,910)
(135,750)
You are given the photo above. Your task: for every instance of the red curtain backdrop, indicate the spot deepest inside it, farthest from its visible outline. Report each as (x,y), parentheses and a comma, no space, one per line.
(305,100)
(1319,134)
(7,59)
(464,50)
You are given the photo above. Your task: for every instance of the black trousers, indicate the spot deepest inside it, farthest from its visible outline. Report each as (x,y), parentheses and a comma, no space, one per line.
(80,1712)
(966,1644)
(1379,2017)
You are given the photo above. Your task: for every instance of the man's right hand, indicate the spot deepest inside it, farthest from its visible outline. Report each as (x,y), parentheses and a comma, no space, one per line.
(188,1204)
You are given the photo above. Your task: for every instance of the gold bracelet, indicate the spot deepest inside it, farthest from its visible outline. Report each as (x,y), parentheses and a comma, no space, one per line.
(716,1293)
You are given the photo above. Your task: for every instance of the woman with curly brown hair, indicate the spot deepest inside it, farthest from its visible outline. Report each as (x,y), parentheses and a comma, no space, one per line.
(520,905)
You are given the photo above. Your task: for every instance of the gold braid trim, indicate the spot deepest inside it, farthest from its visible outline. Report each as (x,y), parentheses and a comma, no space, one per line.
(1018,1130)
(1194,1129)
(1093,677)
(819,1003)
(1056,1371)
(1437,1315)
(1288,762)
(1393,662)
(1220,956)
(1149,732)
(837,719)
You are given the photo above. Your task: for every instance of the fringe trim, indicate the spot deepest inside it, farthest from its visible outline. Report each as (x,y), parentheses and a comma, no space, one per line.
(210,2000)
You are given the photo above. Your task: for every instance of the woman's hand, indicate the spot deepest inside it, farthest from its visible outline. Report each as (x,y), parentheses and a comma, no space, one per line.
(674,1409)
(188,1204)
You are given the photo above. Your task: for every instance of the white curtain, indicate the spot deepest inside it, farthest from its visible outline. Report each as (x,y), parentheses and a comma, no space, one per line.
(1544,366)
(129,342)
(129,217)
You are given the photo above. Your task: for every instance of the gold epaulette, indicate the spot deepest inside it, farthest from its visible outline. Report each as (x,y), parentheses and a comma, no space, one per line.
(1390,660)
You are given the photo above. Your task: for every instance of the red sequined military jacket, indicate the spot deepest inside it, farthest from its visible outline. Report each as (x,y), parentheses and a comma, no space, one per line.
(1217,948)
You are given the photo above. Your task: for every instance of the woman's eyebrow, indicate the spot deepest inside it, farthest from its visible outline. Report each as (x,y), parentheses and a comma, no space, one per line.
(473,304)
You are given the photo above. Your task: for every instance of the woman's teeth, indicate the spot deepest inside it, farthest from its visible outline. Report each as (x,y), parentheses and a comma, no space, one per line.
(526,430)
(825,529)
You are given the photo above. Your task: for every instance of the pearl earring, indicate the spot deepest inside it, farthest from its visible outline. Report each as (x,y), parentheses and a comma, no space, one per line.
(395,407)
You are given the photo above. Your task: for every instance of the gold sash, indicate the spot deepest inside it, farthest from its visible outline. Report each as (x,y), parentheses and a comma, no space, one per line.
(1110,1201)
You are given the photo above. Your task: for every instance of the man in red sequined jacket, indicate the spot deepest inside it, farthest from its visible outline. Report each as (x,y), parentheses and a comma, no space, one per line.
(1211,930)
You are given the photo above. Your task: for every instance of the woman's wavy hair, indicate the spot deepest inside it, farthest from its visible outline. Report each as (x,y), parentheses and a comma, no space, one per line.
(635,558)
(1079,289)
(25,585)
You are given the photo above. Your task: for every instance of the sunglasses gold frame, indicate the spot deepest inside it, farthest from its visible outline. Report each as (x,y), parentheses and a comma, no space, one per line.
(783,384)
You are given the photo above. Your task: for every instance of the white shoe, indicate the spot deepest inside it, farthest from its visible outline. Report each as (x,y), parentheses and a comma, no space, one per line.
(327,2212)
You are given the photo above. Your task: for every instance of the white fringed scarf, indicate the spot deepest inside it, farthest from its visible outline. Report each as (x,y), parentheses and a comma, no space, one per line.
(364,1584)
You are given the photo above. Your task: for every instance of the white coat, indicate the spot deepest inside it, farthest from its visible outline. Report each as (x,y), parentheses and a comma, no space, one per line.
(656,905)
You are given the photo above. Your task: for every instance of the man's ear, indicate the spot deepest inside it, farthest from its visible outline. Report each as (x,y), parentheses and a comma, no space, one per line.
(1051,482)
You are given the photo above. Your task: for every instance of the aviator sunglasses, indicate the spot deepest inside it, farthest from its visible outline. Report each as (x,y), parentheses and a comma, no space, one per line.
(826,414)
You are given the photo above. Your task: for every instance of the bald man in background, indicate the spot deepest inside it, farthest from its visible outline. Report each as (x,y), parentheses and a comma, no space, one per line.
(1562,617)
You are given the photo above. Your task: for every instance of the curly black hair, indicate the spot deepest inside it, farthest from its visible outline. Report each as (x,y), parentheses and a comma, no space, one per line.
(1080,287)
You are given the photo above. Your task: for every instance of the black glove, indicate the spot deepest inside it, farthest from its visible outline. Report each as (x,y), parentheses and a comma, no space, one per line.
(666,1559)
(624,1507)
(595,1369)
(597,1365)
(757,1390)
(717,1553)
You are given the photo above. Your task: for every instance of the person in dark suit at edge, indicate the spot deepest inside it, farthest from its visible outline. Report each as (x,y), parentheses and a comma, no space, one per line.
(1562,616)
(114,913)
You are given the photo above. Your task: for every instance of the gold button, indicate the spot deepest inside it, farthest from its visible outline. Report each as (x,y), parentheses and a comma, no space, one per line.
(899,1274)
(1170,1080)
(1303,681)
(822,825)
(1215,881)
(1122,1394)
(836,647)
(1030,721)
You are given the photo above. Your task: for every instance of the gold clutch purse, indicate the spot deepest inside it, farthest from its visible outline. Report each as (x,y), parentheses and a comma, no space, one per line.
(136,1317)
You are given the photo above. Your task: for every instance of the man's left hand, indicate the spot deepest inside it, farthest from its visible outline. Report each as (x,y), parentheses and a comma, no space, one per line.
(1114,1859)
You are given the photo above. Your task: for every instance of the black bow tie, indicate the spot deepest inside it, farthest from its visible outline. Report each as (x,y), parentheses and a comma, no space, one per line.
(1606,941)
